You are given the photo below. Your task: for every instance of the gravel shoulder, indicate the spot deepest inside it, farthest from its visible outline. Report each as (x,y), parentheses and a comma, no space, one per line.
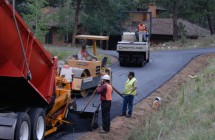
(121,126)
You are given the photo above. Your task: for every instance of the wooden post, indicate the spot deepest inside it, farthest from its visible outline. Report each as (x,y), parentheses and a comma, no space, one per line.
(94,47)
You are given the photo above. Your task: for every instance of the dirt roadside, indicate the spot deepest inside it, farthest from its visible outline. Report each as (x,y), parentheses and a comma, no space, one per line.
(121,126)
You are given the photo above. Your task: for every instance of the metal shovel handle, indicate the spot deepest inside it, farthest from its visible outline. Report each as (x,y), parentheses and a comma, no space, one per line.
(91,97)
(120,94)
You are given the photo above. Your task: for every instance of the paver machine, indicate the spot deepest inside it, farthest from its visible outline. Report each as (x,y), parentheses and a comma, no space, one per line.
(133,52)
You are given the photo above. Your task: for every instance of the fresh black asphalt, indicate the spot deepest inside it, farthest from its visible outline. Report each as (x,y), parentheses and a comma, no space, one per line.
(163,66)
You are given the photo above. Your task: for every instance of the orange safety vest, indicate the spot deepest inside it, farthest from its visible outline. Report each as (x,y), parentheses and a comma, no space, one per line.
(142,28)
(84,54)
(109,92)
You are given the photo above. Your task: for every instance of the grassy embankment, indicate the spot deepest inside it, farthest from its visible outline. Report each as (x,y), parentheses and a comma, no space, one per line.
(64,53)
(203,42)
(190,117)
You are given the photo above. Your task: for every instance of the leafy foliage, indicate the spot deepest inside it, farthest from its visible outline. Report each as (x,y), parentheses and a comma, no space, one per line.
(196,11)
(103,17)
(36,19)
(64,18)
(204,9)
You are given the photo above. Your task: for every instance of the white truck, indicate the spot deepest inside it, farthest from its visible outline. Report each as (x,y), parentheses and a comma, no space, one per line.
(133,52)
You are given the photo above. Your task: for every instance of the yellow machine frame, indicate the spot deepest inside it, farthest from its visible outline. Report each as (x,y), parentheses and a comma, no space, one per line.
(57,114)
(92,70)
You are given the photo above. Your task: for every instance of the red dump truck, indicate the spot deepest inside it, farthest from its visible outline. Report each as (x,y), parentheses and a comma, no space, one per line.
(34,99)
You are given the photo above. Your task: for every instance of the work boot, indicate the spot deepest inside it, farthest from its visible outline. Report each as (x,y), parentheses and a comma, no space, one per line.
(103,131)
(123,114)
(128,116)
(100,128)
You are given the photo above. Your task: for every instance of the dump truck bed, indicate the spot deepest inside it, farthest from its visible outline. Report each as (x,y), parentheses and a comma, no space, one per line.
(15,89)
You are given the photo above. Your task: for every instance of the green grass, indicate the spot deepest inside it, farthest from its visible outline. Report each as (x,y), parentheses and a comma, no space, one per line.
(190,117)
(202,42)
(61,53)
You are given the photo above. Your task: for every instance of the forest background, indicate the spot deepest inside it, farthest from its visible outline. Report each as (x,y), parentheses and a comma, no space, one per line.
(103,17)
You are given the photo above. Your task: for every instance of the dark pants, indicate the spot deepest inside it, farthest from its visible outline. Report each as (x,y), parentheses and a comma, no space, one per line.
(106,105)
(128,102)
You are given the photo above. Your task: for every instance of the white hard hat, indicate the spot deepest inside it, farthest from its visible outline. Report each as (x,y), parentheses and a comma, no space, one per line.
(106,77)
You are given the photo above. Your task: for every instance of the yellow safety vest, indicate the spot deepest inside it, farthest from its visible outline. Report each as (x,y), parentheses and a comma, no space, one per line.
(129,86)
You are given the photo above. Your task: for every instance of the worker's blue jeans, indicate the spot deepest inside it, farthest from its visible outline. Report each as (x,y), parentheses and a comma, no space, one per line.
(128,103)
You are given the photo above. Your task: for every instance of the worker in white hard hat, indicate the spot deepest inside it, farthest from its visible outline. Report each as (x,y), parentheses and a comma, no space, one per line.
(105,90)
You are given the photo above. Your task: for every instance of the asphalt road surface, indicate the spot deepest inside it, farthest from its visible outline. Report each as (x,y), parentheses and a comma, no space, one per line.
(163,66)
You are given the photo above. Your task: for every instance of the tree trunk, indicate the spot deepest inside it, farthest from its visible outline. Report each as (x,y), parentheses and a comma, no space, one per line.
(174,17)
(210,24)
(67,38)
(77,12)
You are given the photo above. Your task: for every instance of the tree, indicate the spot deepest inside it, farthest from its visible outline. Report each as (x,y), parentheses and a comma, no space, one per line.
(172,11)
(103,17)
(174,17)
(36,19)
(55,3)
(205,8)
(65,19)
(77,14)
(141,4)
(200,12)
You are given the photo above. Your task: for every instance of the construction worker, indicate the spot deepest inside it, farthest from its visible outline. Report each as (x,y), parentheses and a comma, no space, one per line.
(105,90)
(130,92)
(83,53)
(141,28)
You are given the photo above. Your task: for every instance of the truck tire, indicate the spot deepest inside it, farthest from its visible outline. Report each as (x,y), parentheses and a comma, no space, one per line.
(140,64)
(23,127)
(37,117)
(121,59)
(121,63)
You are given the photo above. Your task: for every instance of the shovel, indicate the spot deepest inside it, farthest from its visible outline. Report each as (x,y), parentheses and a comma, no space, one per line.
(91,97)
(120,94)
(92,115)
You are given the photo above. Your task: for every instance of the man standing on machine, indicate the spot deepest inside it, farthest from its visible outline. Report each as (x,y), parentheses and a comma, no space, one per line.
(141,28)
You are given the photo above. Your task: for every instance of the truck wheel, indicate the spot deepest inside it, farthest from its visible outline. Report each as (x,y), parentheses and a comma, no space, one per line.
(37,116)
(140,64)
(23,126)
(121,63)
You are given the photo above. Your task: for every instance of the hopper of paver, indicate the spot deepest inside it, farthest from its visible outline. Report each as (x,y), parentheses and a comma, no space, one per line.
(27,72)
